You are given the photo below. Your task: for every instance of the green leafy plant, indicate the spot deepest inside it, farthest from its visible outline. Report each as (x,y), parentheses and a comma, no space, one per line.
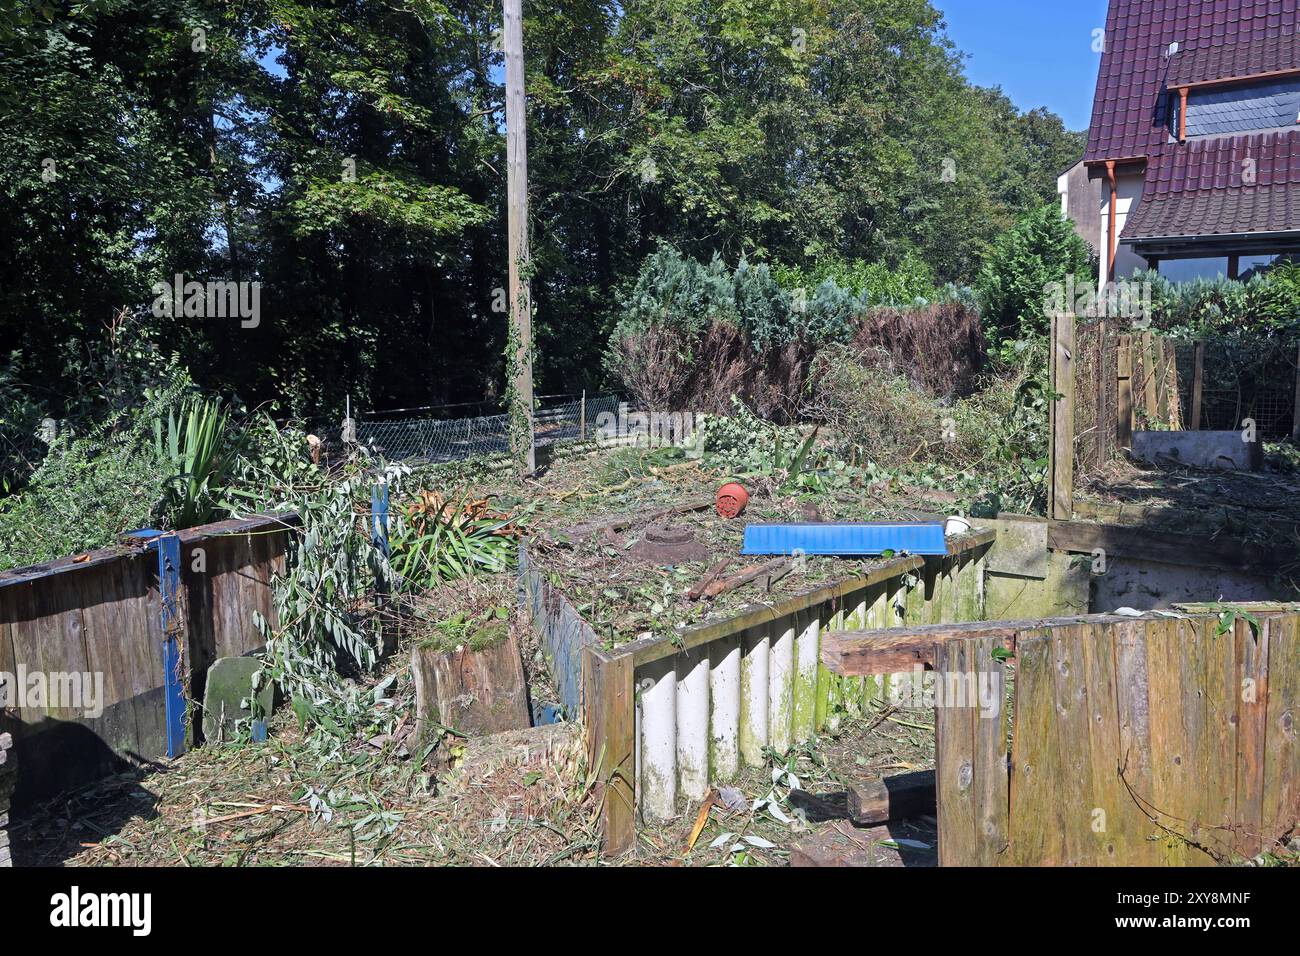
(1040,249)
(198,448)
(323,632)
(1228,617)
(443,539)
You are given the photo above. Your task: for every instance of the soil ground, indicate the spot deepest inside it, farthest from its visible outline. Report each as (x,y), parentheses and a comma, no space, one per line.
(1254,508)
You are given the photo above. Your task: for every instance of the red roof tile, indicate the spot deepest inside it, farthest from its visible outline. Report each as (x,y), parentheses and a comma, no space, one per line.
(1235,57)
(1128,111)
(1216,212)
(1224,185)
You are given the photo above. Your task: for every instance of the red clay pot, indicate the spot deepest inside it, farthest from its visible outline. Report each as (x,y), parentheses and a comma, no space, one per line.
(731,500)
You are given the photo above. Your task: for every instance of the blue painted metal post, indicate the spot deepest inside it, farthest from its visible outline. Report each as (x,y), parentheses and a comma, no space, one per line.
(173,629)
(379,516)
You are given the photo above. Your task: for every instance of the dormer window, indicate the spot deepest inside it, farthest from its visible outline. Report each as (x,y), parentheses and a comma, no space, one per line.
(1239,108)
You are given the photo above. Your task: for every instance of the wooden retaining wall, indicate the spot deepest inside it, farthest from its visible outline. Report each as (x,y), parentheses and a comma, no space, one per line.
(1162,740)
(668,717)
(7,778)
(100,614)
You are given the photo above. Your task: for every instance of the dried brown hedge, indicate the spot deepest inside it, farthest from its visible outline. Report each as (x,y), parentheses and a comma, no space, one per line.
(940,348)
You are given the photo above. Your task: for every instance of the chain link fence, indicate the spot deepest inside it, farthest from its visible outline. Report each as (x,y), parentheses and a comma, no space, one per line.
(431,434)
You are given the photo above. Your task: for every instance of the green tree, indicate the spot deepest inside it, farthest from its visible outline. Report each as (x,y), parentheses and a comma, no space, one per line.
(1040,249)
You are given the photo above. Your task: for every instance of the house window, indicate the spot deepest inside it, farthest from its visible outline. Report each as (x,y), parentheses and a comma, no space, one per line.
(1185,270)
(1241,108)
(1249,266)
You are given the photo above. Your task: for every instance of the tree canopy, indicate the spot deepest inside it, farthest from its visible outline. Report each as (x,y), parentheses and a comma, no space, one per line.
(349,156)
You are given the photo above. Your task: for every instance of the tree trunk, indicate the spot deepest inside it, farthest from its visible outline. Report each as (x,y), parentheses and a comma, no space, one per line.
(477,688)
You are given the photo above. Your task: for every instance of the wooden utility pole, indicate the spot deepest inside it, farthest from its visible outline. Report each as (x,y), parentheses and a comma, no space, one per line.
(520,354)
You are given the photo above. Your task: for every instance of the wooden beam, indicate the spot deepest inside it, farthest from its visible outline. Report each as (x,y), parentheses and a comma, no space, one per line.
(897,650)
(1150,401)
(609,706)
(520,347)
(1163,412)
(1105,414)
(1124,392)
(1182,114)
(892,798)
(1230,80)
(1145,544)
(970,756)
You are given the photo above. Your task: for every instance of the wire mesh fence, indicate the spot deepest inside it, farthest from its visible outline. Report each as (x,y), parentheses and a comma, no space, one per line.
(1242,380)
(1130,379)
(431,434)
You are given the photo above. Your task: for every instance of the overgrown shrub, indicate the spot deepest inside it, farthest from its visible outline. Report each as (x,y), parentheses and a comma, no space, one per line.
(996,437)
(665,369)
(1040,249)
(20,447)
(689,341)
(1265,305)
(873,412)
(939,347)
(910,281)
(87,491)
(679,293)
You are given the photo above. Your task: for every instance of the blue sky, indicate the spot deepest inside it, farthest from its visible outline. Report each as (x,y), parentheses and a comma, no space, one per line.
(1039,51)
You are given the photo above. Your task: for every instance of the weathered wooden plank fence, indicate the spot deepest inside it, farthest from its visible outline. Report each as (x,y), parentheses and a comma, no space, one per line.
(1114,383)
(1116,380)
(98,617)
(1164,740)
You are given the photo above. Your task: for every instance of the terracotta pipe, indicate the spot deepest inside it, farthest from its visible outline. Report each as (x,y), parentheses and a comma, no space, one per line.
(1114,216)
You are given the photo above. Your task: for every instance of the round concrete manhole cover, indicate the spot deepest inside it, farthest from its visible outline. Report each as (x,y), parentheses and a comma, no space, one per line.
(668,544)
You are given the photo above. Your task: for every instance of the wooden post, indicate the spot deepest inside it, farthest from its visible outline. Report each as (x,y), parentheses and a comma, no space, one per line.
(1162,380)
(1198,383)
(1124,391)
(478,687)
(1104,417)
(609,712)
(175,683)
(1295,422)
(1149,402)
(520,347)
(1061,451)
(1182,114)
(582,418)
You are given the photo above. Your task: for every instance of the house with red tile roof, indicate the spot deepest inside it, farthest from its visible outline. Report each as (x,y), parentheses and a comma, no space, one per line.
(1195,137)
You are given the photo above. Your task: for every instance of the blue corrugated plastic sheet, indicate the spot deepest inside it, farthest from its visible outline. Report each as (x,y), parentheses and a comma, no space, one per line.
(845,540)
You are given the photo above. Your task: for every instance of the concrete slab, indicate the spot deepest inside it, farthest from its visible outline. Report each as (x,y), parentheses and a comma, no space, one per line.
(1063,592)
(1224,450)
(229,683)
(1021,545)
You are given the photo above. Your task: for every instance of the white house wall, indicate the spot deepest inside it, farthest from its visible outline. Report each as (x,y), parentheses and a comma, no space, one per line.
(1127,262)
